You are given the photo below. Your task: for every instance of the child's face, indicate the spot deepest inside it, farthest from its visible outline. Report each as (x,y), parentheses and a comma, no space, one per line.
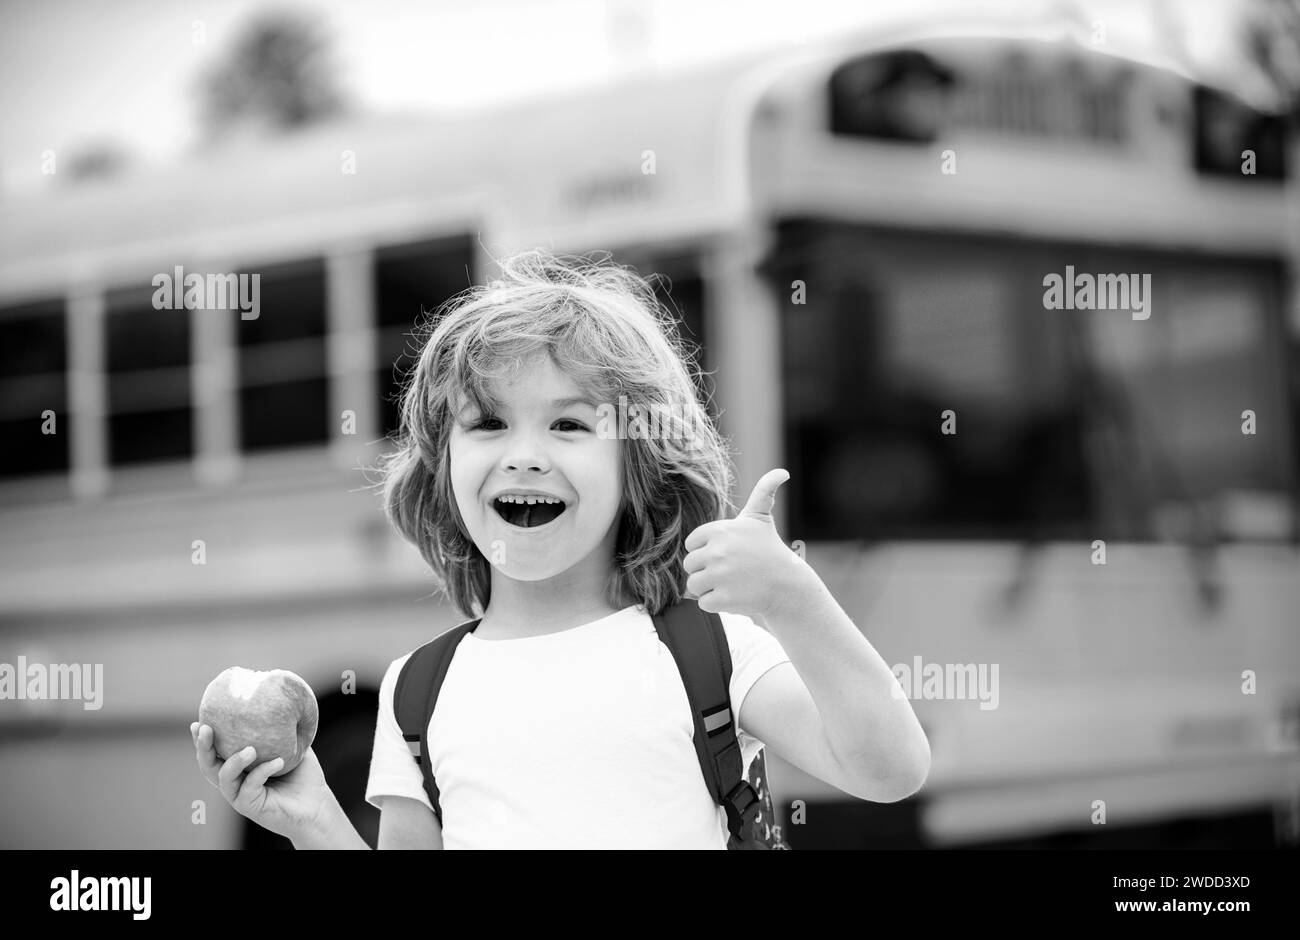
(542,444)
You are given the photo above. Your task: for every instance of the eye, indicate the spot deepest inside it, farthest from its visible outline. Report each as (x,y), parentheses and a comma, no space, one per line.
(572,425)
(484,424)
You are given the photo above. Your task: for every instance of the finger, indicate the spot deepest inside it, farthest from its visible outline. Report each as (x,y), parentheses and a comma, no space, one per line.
(700,537)
(209,766)
(761,501)
(250,791)
(699,584)
(706,603)
(693,562)
(231,771)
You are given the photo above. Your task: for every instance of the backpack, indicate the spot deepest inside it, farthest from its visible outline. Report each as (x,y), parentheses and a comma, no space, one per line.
(698,644)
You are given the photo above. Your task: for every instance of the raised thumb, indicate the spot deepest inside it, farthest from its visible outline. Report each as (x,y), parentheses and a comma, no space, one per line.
(760,502)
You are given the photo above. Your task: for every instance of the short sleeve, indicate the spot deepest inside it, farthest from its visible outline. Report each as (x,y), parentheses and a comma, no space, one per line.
(753,652)
(392,771)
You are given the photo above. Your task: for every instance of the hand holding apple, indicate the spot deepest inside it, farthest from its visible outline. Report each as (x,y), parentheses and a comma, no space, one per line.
(299,806)
(274,712)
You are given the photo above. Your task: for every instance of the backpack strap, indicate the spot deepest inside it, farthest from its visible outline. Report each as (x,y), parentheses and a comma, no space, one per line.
(416,694)
(698,642)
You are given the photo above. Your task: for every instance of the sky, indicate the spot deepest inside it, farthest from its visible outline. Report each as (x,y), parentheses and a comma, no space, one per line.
(76,72)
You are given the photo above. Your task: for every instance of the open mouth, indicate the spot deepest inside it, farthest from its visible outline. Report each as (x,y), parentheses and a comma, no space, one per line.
(528,512)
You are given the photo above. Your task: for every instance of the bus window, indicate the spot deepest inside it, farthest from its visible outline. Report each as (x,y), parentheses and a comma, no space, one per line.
(1226,129)
(33,379)
(894,96)
(148,362)
(412,279)
(923,398)
(929,393)
(283,384)
(1181,384)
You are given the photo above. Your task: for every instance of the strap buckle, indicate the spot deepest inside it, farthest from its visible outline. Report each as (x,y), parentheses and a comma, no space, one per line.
(742,806)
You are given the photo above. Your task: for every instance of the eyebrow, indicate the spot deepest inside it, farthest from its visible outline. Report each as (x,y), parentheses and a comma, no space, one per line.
(566,402)
(557,403)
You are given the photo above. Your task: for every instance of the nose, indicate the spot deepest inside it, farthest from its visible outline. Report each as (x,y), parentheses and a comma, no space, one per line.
(523,453)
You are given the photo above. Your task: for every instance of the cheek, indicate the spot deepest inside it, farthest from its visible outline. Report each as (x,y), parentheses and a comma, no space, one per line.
(611,474)
(462,461)
(463,454)
(596,472)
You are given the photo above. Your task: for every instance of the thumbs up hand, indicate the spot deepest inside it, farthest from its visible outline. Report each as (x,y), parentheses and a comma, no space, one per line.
(740,565)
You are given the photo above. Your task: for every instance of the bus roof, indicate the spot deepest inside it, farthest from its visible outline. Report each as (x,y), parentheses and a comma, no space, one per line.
(658,153)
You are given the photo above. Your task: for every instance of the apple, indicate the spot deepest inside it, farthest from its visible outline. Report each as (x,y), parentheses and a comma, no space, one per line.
(274,711)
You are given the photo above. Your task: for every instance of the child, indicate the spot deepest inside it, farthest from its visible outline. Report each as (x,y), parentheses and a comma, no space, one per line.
(532,485)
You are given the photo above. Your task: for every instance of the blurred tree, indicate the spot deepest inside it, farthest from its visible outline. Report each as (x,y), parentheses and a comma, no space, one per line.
(280,74)
(1271,34)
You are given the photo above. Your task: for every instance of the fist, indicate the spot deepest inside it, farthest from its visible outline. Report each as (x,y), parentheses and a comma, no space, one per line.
(740,565)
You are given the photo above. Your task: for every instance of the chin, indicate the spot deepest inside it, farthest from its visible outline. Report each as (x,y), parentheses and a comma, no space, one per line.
(546,564)
(539,562)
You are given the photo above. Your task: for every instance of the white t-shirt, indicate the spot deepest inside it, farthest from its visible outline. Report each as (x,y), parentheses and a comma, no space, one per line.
(576,739)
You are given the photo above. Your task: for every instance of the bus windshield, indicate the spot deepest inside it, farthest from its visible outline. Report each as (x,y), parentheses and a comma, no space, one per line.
(934,387)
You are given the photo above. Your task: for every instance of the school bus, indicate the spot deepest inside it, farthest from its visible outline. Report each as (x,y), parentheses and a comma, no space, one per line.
(1073,527)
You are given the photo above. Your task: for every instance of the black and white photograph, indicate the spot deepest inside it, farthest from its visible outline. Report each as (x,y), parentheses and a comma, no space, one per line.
(600,425)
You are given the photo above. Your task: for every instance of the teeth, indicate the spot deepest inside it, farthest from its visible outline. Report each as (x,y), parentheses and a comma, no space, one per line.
(530,500)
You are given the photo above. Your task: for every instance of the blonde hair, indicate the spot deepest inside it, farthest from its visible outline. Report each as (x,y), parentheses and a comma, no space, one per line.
(603,326)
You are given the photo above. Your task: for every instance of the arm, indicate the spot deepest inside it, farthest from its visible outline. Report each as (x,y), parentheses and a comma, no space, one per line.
(331,829)
(837,711)
(405,823)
